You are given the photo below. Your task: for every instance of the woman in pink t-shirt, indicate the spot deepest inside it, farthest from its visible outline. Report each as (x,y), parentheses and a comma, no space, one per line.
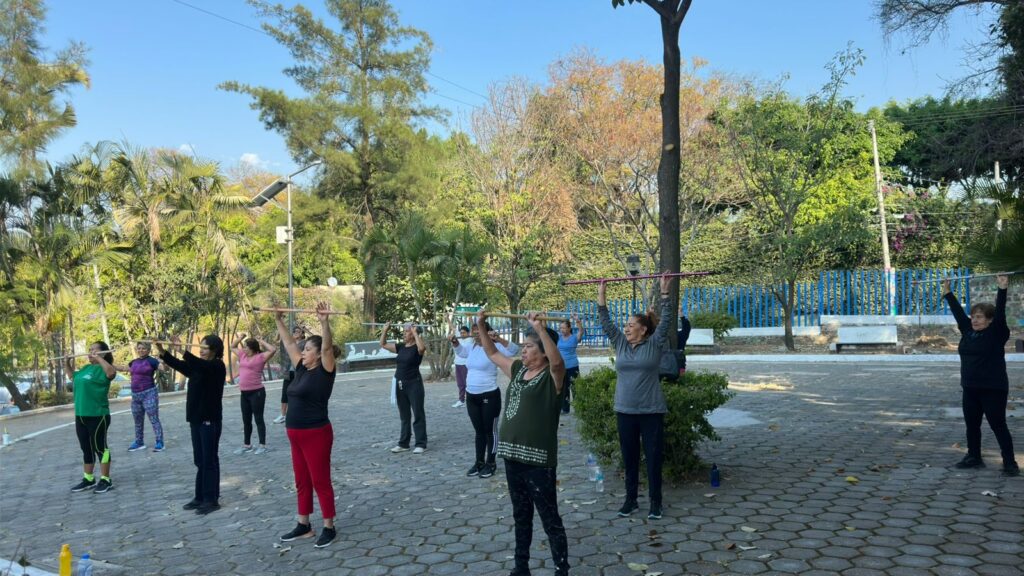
(251,360)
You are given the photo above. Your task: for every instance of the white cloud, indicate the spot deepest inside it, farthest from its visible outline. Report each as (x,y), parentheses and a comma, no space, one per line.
(252,159)
(187,149)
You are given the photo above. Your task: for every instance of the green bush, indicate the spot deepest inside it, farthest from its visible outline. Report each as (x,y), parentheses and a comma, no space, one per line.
(686,425)
(719,322)
(45,398)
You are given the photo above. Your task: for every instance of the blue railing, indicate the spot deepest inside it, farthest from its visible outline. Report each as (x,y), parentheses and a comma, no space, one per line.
(840,292)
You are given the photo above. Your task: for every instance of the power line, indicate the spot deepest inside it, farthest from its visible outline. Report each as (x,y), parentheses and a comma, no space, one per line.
(265,33)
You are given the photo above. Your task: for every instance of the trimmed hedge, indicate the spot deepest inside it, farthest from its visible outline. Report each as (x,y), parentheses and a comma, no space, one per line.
(689,402)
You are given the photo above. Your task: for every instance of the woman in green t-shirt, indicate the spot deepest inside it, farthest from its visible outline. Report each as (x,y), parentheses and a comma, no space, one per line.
(528,438)
(92,415)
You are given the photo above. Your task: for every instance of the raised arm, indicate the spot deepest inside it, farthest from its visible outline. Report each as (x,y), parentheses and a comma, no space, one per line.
(327,359)
(108,368)
(999,320)
(504,346)
(421,345)
(457,347)
(500,360)
(609,327)
(579,326)
(963,322)
(294,354)
(555,362)
(269,350)
(390,347)
(665,310)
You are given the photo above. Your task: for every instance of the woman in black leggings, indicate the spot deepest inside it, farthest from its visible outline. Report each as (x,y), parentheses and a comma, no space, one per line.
(983,377)
(408,386)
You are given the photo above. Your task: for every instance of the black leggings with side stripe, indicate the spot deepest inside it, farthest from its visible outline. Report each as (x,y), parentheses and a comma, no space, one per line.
(92,437)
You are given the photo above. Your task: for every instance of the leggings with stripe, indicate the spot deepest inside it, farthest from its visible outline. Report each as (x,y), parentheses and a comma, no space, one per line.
(484,410)
(92,437)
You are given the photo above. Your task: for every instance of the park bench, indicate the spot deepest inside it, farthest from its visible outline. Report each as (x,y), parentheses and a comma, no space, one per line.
(866,336)
(702,338)
(366,355)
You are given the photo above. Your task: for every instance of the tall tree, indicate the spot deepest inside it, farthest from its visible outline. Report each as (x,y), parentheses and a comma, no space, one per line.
(671,14)
(363,81)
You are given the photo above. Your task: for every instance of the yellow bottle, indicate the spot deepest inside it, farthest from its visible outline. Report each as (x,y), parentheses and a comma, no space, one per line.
(65,560)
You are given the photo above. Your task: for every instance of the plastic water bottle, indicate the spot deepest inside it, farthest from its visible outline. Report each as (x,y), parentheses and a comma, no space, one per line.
(592,466)
(84,566)
(715,478)
(599,480)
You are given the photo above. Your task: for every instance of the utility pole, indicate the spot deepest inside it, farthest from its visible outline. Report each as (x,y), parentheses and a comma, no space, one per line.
(890,274)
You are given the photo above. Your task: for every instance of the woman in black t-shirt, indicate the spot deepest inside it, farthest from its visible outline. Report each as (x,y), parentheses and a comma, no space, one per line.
(309,428)
(408,386)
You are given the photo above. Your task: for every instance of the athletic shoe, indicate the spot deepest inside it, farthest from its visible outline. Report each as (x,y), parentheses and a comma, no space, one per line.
(159,447)
(419,450)
(300,531)
(260,450)
(83,485)
(136,446)
(327,535)
(207,507)
(475,470)
(628,508)
(279,419)
(243,450)
(655,513)
(1011,469)
(103,486)
(458,404)
(397,449)
(970,462)
(192,505)
(488,470)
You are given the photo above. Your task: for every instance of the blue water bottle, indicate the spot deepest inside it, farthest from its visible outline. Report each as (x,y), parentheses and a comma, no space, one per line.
(84,566)
(715,479)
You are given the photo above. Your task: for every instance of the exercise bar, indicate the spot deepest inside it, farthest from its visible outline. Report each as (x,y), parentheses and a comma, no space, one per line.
(638,277)
(299,311)
(521,316)
(168,343)
(83,354)
(400,325)
(967,277)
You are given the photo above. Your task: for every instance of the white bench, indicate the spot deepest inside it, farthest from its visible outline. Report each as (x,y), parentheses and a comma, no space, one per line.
(366,355)
(866,336)
(701,337)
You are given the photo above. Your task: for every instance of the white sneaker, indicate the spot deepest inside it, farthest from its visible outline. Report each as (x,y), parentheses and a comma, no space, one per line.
(279,419)
(242,450)
(419,450)
(398,449)
(458,404)
(260,450)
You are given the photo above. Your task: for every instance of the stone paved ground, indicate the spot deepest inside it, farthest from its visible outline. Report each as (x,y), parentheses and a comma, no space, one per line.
(784,506)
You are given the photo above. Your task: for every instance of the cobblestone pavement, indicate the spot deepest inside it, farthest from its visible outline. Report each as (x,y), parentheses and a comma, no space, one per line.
(785,506)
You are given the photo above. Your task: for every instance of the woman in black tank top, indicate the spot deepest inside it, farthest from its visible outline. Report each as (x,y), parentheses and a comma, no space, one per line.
(408,386)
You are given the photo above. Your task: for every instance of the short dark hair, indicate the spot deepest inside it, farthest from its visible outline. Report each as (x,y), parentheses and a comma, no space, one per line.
(253,345)
(108,357)
(318,343)
(531,333)
(986,308)
(216,345)
(464,328)
(648,320)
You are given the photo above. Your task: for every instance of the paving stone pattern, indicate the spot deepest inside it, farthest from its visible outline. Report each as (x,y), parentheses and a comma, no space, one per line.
(785,505)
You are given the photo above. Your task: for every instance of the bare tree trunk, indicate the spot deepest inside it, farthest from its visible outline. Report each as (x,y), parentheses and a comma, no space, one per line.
(787,309)
(12,387)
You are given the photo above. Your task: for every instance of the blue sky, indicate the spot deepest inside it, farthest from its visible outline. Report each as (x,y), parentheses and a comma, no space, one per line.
(155,64)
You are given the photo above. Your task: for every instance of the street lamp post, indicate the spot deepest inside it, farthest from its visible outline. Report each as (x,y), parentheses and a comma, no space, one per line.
(267,195)
(633,267)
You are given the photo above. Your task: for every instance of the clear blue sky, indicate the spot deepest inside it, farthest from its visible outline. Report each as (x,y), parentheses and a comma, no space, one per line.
(155,64)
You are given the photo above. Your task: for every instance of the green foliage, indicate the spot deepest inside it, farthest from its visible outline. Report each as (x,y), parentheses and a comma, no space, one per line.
(686,426)
(719,322)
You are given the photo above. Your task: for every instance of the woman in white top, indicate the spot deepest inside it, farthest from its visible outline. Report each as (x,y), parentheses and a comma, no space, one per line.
(460,367)
(483,397)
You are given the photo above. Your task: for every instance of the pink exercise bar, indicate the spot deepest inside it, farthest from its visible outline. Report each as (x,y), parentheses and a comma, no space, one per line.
(638,277)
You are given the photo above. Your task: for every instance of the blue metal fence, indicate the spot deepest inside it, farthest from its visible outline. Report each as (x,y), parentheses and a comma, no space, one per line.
(837,292)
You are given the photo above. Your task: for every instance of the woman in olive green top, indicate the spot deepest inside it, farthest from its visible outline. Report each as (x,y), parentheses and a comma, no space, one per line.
(92,415)
(528,438)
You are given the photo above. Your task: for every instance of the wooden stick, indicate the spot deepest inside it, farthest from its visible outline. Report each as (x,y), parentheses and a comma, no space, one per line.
(967,277)
(521,316)
(169,343)
(396,325)
(84,354)
(298,311)
(638,277)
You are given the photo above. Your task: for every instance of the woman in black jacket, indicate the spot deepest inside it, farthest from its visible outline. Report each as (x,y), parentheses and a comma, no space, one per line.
(983,378)
(203,412)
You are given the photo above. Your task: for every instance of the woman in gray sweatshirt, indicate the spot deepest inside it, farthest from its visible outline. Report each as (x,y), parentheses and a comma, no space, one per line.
(640,405)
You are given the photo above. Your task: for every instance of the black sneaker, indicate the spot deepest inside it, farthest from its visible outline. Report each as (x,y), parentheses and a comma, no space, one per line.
(192,505)
(970,462)
(628,508)
(488,470)
(475,469)
(1011,469)
(207,507)
(327,535)
(83,485)
(103,485)
(655,513)
(300,531)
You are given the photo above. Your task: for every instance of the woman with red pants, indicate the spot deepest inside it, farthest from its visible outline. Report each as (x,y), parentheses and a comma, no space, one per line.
(309,428)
